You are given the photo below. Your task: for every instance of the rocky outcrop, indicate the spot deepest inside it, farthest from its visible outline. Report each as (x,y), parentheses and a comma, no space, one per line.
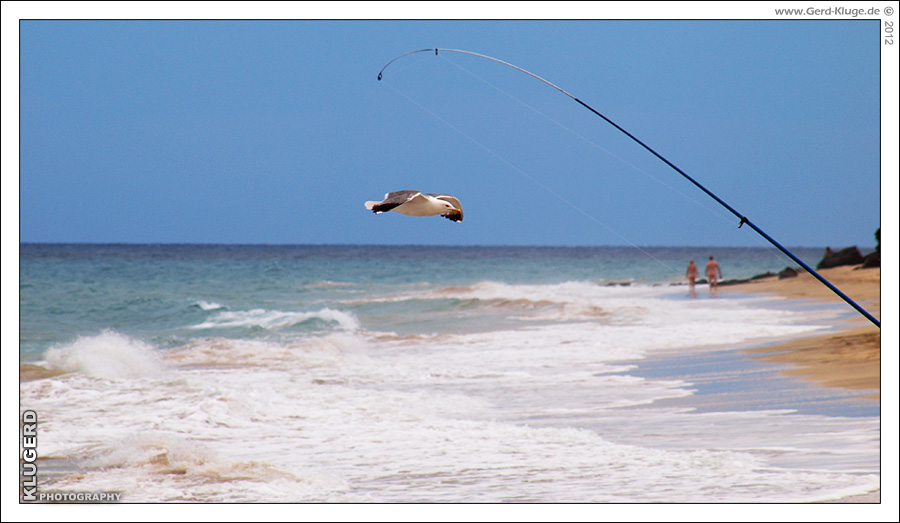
(788,272)
(848,256)
(725,283)
(872,260)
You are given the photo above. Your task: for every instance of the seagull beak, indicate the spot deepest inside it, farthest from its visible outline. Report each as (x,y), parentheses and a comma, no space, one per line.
(453,214)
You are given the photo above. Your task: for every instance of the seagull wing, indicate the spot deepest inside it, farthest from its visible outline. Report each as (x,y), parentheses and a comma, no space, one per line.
(391,200)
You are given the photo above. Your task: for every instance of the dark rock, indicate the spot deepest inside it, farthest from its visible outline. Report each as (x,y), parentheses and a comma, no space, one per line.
(788,272)
(726,283)
(872,260)
(848,256)
(736,281)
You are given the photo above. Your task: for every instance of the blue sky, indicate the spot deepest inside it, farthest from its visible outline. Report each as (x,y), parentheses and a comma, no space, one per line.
(278,131)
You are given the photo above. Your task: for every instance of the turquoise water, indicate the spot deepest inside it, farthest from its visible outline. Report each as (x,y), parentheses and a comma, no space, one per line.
(447,374)
(156,291)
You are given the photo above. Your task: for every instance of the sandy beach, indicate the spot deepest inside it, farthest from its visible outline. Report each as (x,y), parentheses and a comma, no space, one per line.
(849,358)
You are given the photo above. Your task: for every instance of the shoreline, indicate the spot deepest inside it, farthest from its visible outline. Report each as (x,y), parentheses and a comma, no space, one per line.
(849,357)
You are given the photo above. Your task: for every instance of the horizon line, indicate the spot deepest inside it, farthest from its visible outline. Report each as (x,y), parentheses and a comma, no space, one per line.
(279,244)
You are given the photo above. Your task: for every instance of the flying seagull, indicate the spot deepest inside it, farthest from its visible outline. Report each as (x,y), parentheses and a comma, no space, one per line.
(414,203)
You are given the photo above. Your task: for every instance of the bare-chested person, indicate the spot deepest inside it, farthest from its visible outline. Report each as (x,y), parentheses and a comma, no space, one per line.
(713,273)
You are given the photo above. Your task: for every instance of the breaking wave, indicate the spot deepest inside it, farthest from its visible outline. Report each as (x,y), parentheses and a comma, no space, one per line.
(208,306)
(276,320)
(107,355)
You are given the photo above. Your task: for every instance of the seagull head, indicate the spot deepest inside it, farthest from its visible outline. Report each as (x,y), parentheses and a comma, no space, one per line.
(448,207)
(452,213)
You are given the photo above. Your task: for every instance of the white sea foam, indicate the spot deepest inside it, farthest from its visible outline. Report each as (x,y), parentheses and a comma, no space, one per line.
(107,355)
(282,435)
(637,318)
(161,466)
(208,306)
(302,353)
(705,321)
(328,284)
(274,320)
(550,411)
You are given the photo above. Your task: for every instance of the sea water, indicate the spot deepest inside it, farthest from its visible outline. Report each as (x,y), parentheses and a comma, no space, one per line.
(426,374)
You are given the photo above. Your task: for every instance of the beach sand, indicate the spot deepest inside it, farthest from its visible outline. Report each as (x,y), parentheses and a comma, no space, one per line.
(849,358)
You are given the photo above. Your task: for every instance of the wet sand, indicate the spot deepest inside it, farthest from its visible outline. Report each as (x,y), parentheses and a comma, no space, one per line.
(849,358)
(31,371)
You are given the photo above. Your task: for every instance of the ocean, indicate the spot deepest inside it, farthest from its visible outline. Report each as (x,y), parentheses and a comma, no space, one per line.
(375,374)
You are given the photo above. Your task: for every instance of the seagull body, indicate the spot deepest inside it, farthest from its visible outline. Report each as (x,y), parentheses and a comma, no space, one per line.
(414,203)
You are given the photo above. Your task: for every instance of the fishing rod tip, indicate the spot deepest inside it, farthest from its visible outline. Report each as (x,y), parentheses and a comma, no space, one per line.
(379,76)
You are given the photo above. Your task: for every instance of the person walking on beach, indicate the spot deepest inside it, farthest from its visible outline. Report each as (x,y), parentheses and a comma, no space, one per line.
(692,277)
(713,273)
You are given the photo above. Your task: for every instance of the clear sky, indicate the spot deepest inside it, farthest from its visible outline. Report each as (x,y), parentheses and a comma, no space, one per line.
(277,131)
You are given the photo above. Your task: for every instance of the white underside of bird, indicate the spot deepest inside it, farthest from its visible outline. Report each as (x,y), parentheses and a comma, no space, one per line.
(415,203)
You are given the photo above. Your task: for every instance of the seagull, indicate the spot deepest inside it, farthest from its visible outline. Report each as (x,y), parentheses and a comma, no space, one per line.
(414,203)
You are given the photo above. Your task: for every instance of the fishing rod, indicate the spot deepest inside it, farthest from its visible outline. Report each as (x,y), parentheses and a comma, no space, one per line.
(743,218)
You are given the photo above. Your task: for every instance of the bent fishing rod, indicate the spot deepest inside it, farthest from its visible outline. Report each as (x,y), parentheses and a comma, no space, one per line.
(743,218)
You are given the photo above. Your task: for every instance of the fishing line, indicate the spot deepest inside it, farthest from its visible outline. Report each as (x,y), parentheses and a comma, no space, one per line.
(713,211)
(743,219)
(768,247)
(590,142)
(526,175)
